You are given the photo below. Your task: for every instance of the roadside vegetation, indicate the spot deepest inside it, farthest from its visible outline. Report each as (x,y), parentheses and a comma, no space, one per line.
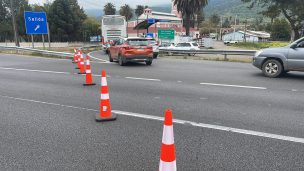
(258,46)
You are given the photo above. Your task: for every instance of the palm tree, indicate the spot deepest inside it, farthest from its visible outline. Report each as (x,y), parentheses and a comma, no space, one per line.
(189,8)
(138,11)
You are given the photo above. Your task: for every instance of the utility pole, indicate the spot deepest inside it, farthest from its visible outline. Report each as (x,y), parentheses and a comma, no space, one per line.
(14,24)
(245,31)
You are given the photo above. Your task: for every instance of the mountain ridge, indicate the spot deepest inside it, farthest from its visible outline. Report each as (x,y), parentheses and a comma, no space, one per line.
(224,8)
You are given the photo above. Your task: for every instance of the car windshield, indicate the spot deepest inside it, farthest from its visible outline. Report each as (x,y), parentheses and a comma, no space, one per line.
(138,42)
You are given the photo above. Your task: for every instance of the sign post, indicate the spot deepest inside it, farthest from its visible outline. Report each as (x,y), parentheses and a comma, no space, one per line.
(35,23)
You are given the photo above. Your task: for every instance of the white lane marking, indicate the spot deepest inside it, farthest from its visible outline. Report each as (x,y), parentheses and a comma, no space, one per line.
(103,61)
(178,121)
(145,79)
(236,86)
(43,71)
(31,70)
(39,57)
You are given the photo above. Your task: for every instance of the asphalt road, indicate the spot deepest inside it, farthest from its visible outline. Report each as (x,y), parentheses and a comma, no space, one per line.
(230,116)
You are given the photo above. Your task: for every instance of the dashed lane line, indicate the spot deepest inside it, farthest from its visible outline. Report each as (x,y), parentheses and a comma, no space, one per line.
(178,121)
(144,79)
(235,86)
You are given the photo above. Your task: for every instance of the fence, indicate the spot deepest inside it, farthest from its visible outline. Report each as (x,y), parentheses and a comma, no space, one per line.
(44,52)
(213,52)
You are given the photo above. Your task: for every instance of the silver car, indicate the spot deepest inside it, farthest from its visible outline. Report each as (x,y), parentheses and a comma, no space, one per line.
(276,61)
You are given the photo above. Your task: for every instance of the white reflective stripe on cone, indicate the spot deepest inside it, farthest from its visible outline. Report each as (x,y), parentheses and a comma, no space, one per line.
(167,166)
(104,96)
(88,71)
(88,62)
(104,81)
(168,137)
(82,63)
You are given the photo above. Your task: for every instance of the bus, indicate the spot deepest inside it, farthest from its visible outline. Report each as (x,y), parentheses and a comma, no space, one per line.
(113,27)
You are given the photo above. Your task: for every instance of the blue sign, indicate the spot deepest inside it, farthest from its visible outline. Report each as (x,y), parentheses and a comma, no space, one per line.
(35,22)
(151,21)
(150,35)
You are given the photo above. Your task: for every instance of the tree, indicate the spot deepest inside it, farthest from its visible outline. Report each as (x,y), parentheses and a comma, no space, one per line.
(65,19)
(215,20)
(291,10)
(109,9)
(280,30)
(189,8)
(226,23)
(91,27)
(139,10)
(126,11)
(272,12)
(199,18)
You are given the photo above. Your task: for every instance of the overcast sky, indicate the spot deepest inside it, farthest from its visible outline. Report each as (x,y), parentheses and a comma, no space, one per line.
(87,4)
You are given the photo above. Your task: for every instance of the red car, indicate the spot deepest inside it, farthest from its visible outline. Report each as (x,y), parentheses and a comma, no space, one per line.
(131,50)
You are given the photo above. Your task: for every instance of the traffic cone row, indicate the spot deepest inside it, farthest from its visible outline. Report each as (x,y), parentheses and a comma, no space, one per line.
(167,150)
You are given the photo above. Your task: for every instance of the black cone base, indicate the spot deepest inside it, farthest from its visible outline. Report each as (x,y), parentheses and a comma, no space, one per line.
(99,119)
(81,73)
(89,84)
(77,68)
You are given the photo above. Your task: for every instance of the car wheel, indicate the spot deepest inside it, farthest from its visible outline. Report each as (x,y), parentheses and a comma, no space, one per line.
(110,58)
(272,68)
(120,61)
(148,62)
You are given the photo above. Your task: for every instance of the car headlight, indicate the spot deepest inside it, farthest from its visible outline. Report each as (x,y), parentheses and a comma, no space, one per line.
(258,53)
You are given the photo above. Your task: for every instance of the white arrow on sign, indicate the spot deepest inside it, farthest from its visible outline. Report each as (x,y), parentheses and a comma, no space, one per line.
(37,27)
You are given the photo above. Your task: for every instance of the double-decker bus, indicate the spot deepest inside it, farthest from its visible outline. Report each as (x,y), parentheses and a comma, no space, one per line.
(113,27)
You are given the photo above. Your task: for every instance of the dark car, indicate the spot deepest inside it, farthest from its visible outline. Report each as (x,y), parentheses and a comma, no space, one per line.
(276,61)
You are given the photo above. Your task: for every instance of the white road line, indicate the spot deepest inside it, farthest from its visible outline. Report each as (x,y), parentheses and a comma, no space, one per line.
(145,79)
(30,70)
(104,61)
(43,71)
(236,86)
(178,121)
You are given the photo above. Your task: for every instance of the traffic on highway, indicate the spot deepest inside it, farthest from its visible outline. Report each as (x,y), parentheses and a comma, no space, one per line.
(151,85)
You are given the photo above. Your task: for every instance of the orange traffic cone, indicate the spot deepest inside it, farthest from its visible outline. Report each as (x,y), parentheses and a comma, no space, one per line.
(81,67)
(105,113)
(89,79)
(167,153)
(75,56)
(78,59)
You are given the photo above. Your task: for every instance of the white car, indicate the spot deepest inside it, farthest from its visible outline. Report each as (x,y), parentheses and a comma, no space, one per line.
(155,47)
(227,42)
(186,46)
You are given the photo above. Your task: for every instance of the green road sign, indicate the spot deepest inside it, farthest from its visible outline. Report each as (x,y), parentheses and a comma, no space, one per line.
(166,34)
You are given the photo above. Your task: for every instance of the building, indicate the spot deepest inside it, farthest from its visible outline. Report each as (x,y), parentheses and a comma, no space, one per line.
(171,20)
(251,36)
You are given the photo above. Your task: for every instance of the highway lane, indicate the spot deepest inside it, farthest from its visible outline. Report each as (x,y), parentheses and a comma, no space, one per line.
(226,106)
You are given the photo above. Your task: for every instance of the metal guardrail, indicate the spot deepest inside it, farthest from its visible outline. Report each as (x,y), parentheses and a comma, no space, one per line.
(45,52)
(212,51)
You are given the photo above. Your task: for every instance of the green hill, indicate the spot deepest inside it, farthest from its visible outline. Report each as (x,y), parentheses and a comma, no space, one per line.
(231,8)
(228,8)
